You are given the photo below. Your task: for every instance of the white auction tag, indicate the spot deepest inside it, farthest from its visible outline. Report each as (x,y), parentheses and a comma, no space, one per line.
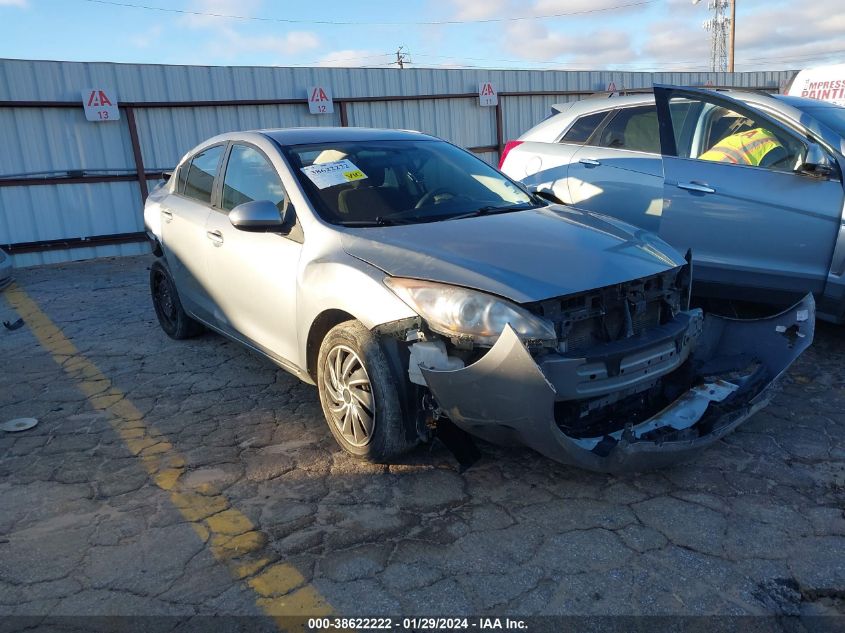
(337,172)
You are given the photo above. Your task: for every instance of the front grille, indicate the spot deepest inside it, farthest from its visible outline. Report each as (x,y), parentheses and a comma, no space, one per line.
(612,313)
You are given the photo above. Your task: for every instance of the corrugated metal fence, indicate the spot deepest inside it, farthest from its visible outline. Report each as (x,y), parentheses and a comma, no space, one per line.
(73,189)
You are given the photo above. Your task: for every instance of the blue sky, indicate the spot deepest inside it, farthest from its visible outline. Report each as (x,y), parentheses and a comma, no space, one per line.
(645,35)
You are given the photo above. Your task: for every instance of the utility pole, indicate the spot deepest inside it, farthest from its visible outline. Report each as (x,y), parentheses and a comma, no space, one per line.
(733,37)
(401,58)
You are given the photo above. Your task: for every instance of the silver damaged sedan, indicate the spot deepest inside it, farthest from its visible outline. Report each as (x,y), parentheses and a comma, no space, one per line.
(421,290)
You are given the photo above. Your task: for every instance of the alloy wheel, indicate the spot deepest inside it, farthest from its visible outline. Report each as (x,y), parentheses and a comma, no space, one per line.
(350,395)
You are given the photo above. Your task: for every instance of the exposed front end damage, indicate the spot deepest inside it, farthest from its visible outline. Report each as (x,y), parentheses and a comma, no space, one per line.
(639,402)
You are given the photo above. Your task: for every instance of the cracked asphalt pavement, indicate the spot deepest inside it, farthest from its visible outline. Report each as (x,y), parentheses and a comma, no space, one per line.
(92,524)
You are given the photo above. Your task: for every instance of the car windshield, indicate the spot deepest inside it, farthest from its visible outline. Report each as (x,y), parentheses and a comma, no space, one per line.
(372,183)
(831,116)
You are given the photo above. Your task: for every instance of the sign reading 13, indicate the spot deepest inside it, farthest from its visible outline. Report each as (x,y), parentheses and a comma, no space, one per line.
(100,104)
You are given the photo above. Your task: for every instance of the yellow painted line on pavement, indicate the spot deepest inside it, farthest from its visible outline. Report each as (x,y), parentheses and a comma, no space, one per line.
(281,591)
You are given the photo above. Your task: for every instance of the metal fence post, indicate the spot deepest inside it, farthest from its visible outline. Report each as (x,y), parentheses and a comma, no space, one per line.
(136,152)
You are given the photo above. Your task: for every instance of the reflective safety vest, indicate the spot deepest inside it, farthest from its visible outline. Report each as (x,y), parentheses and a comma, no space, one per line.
(744,148)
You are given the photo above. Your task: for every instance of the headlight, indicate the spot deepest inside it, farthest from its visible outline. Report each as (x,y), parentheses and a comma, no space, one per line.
(461,312)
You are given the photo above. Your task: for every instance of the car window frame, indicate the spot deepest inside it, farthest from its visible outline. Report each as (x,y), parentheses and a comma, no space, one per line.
(221,179)
(186,164)
(663,95)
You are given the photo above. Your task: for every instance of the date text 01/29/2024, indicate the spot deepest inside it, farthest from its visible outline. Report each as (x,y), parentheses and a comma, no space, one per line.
(416,624)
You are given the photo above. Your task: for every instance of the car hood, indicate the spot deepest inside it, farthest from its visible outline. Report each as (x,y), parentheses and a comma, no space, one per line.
(524,256)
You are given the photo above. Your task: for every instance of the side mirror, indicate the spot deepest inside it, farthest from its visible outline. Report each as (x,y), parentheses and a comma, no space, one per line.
(260,216)
(816,163)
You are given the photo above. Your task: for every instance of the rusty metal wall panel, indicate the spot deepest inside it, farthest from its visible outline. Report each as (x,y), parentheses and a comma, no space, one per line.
(461,121)
(47,80)
(166,134)
(49,140)
(51,212)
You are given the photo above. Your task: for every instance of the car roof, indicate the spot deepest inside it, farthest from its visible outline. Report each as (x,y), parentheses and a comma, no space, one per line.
(602,101)
(606,101)
(804,102)
(306,135)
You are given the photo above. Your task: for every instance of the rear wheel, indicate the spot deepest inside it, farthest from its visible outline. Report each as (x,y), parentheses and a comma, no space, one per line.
(359,393)
(171,315)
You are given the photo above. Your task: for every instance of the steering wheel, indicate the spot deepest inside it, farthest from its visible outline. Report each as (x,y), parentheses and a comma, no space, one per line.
(428,197)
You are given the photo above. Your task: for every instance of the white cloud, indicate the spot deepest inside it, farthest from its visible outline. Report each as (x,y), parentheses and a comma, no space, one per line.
(768,35)
(229,40)
(290,43)
(534,41)
(479,9)
(22,4)
(351,57)
(214,8)
(552,7)
(147,38)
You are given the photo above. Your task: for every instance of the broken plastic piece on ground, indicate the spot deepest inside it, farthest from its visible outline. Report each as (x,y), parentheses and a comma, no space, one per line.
(18,424)
(13,326)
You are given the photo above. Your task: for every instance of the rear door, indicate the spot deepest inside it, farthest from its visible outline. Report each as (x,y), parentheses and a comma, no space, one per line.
(184,214)
(766,226)
(619,171)
(545,165)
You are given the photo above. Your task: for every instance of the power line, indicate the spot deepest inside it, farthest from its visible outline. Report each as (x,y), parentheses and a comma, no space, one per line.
(692,63)
(129,5)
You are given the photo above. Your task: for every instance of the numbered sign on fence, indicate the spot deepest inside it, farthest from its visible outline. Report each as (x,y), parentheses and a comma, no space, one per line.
(100,104)
(487,95)
(320,100)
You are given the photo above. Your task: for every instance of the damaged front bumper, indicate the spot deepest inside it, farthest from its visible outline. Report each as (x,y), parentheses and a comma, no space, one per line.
(726,369)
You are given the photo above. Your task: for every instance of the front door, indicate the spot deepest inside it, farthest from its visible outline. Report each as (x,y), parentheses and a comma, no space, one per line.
(253,276)
(733,194)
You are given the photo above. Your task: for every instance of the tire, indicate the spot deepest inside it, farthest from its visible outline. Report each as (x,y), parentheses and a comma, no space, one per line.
(367,390)
(171,315)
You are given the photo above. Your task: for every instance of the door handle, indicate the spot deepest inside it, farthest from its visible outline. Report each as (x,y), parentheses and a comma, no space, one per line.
(696,186)
(168,214)
(215,236)
(592,162)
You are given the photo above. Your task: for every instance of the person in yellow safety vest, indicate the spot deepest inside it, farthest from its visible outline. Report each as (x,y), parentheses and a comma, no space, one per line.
(743,148)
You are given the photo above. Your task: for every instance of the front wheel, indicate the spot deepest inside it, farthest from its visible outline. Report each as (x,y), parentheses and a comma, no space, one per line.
(171,315)
(359,393)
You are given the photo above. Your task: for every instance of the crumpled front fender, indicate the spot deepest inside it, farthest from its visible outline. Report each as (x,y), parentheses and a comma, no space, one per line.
(506,398)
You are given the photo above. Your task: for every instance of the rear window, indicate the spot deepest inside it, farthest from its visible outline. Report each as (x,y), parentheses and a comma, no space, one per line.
(583,128)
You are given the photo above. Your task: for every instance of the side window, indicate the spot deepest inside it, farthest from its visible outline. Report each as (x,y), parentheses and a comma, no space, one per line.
(633,129)
(720,134)
(583,128)
(200,177)
(249,176)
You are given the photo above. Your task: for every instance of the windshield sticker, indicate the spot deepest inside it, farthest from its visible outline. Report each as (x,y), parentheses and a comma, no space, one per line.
(337,172)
